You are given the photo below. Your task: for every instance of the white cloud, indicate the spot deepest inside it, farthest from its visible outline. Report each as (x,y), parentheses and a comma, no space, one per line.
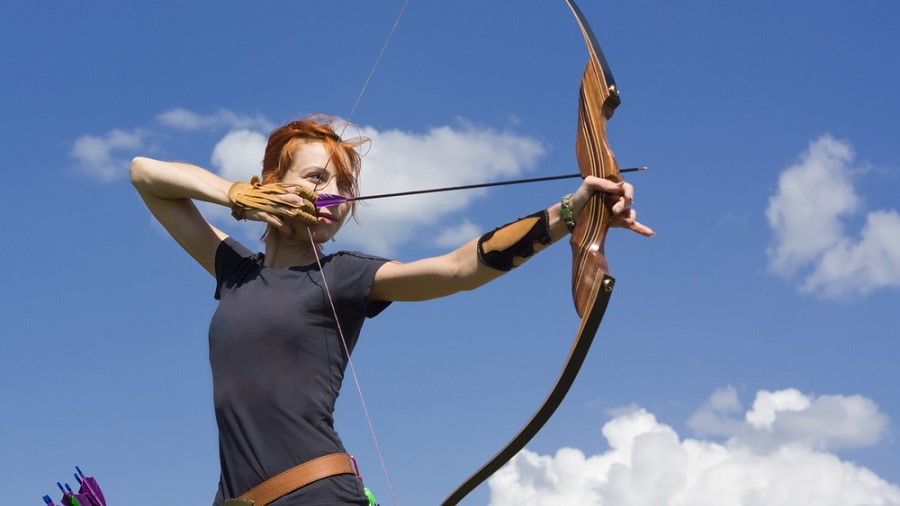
(806,215)
(238,155)
(870,263)
(715,417)
(769,405)
(827,422)
(649,464)
(106,157)
(789,416)
(456,236)
(443,156)
(187,120)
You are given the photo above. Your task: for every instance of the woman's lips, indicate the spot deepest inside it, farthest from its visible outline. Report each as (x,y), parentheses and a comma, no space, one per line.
(327,218)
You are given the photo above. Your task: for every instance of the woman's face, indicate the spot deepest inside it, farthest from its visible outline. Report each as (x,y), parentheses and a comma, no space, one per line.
(312,170)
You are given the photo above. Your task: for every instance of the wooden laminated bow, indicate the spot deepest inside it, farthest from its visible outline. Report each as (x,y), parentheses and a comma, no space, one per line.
(591,283)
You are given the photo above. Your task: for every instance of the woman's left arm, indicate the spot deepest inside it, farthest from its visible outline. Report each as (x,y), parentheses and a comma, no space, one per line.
(490,256)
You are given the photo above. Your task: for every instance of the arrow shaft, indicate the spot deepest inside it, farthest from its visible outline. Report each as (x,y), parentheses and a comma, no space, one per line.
(331,200)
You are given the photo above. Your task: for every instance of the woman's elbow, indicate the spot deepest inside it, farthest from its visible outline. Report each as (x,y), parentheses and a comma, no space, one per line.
(136,172)
(140,172)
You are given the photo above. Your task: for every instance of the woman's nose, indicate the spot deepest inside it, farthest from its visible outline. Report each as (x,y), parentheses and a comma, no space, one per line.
(330,187)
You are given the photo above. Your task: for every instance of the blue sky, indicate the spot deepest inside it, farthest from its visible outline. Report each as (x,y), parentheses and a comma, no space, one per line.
(749,350)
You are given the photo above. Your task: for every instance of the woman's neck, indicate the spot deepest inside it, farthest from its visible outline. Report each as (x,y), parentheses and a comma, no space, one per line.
(282,252)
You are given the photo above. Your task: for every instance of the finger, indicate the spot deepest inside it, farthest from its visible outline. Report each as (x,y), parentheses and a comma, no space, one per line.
(604,185)
(628,193)
(642,229)
(621,206)
(635,226)
(276,222)
(294,200)
(591,186)
(621,220)
(303,192)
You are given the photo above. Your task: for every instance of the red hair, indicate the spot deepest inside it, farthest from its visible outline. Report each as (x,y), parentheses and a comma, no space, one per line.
(285,140)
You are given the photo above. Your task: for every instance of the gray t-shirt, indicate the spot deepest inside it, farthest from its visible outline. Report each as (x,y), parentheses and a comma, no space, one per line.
(277,364)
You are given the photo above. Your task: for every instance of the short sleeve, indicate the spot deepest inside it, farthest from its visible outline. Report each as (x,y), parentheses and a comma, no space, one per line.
(232,261)
(356,272)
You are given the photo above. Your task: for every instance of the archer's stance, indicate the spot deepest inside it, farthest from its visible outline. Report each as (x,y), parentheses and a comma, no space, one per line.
(280,336)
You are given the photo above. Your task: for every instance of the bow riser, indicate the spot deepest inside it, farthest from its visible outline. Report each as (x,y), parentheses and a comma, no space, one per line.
(596,105)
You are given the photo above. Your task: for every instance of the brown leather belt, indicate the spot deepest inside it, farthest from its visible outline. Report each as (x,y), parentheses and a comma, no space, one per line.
(294,478)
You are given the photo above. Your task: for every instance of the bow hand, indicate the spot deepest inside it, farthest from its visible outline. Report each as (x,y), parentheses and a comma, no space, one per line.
(618,198)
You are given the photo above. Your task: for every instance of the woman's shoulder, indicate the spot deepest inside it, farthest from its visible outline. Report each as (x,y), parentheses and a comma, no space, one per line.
(233,256)
(346,262)
(235,264)
(231,246)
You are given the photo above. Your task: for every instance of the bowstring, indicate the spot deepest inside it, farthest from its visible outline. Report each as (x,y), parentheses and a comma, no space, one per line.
(337,320)
(362,399)
(375,66)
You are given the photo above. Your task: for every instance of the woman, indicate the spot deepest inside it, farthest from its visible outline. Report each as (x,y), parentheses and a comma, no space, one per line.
(287,319)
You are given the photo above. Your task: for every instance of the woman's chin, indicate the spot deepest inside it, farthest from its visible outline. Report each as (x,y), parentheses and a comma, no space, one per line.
(321,232)
(320,235)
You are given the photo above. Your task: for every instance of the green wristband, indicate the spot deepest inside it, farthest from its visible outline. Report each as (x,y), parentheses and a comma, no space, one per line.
(566,212)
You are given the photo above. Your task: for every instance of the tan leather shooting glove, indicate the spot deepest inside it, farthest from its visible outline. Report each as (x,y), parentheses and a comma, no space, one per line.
(265,197)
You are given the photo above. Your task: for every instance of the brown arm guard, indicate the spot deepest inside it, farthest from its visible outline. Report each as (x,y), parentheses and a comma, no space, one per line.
(511,245)
(265,197)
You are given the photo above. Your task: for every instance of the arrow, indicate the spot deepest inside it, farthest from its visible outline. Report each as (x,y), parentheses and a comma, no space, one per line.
(328,199)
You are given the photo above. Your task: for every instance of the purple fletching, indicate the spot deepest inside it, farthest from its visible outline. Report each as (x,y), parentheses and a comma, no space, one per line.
(91,489)
(328,200)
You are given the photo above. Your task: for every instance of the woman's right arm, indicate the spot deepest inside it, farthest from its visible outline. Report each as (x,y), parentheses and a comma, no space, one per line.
(168,189)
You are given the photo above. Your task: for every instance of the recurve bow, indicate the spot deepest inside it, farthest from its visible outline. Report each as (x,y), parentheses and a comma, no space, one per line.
(591,283)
